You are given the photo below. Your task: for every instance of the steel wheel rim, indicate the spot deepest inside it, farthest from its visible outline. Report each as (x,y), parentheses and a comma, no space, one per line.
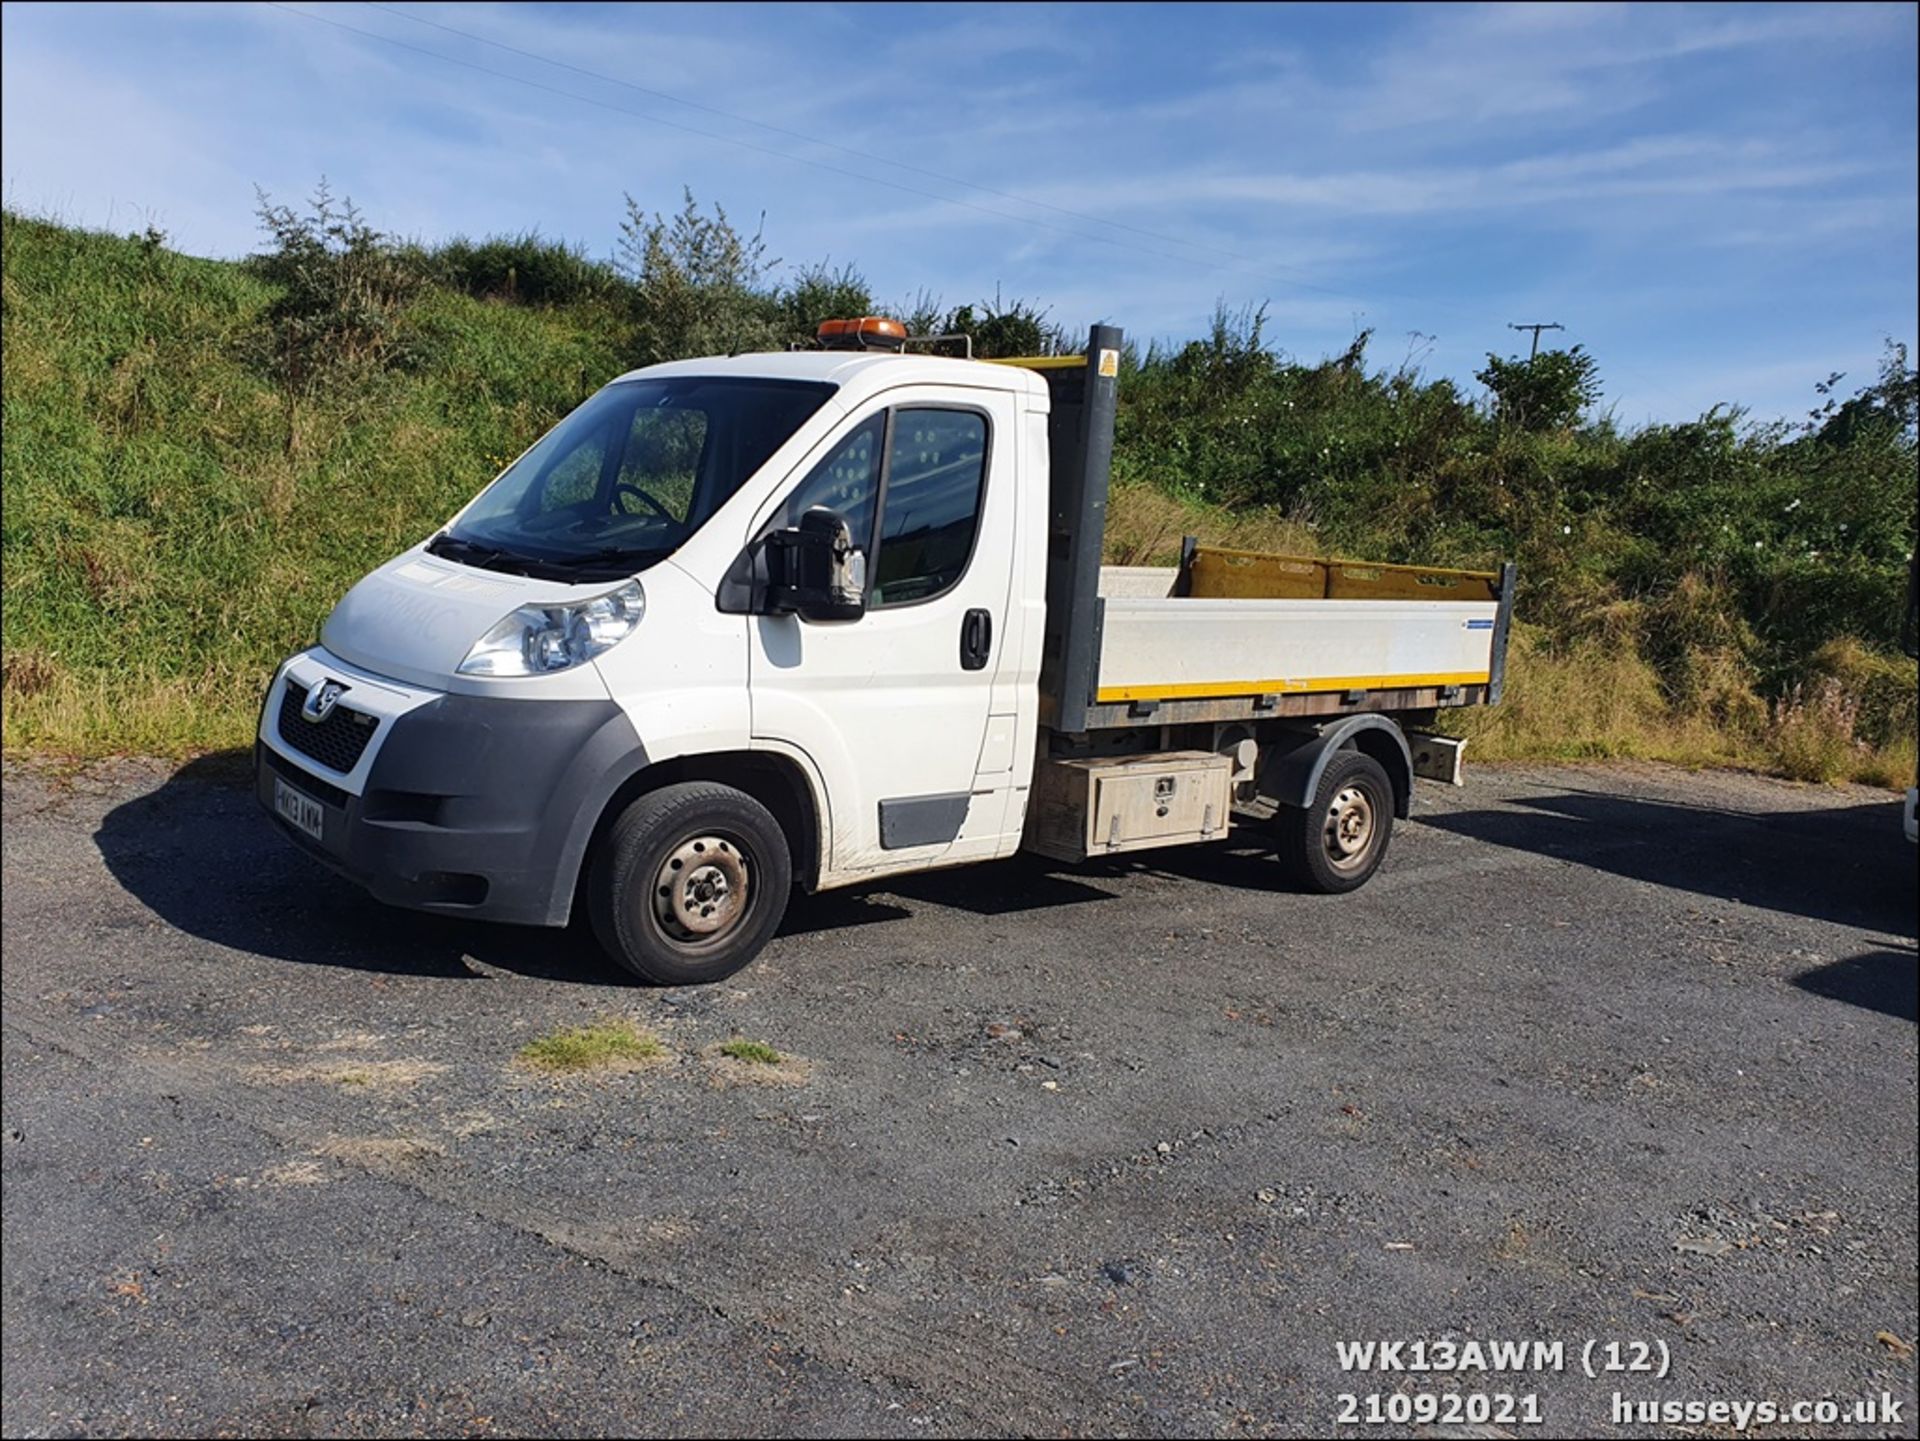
(702,890)
(1350,828)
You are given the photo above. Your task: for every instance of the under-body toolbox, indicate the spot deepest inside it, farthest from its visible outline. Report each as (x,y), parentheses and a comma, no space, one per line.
(1107,804)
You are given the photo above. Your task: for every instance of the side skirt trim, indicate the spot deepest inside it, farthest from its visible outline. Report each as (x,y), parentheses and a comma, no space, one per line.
(922,820)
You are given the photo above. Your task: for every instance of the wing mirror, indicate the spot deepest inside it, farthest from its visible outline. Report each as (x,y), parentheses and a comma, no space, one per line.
(814,570)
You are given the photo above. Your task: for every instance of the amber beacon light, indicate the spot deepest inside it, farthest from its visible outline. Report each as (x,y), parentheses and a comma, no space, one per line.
(869,332)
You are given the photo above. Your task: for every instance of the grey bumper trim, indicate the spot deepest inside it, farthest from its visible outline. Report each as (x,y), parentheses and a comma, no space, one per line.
(476,806)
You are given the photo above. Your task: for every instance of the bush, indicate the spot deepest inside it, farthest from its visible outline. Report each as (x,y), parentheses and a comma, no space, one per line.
(1812,737)
(1550,390)
(699,285)
(1000,328)
(525,269)
(342,286)
(1882,688)
(820,293)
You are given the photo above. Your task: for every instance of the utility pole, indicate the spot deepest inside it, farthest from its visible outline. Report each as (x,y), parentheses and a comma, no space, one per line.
(1536,329)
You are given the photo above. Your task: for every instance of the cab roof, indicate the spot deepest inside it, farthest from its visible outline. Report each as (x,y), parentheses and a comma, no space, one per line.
(857,373)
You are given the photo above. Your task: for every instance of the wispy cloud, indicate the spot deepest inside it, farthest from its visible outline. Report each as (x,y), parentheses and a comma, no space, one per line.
(1657,167)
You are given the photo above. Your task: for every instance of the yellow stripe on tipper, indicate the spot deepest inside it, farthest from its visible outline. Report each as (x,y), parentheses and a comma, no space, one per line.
(1217,690)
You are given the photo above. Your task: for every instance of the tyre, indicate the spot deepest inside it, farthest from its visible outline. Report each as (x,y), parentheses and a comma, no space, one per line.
(1336,843)
(690,883)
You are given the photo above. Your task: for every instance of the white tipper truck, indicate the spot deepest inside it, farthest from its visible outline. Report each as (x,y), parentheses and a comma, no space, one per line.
(820,617)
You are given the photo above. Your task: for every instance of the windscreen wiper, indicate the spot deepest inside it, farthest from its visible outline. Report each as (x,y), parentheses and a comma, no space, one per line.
(606,555)
(487,557)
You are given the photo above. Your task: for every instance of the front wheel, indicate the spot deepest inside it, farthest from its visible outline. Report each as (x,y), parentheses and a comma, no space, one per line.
(690,883)
(1336,843)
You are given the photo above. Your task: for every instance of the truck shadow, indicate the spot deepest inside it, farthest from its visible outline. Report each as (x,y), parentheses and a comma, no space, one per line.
(999,888)
(198,852)
(201,855)
(1847,864)
(1881,981)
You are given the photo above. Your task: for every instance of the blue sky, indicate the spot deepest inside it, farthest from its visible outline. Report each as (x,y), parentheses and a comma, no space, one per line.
(1718,201)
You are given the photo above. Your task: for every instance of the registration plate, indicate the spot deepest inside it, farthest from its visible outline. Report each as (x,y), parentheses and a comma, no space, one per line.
(303,811)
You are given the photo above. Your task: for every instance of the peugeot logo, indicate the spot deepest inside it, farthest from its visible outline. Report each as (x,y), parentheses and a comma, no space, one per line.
(321,697)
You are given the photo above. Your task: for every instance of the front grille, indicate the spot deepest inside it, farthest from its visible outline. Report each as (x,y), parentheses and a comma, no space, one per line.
(303,779)
(336,742)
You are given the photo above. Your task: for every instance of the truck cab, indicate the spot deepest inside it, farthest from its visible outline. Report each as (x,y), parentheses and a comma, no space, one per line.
(812,618)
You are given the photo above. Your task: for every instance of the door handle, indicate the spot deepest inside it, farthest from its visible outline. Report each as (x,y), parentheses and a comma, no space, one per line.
(976,640)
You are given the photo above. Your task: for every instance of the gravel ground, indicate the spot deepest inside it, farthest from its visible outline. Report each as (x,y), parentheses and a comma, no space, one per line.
(1613,1054)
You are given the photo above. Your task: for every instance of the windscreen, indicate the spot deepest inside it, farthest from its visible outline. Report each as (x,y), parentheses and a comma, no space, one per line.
(627,477)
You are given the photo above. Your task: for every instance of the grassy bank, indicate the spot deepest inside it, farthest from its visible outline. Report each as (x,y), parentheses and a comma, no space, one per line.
(173,526)
(196,468)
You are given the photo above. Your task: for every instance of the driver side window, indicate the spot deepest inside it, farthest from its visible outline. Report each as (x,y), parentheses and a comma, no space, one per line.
(662,459)
(848,481)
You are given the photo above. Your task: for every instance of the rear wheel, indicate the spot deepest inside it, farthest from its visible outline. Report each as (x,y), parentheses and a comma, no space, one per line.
(690,883)
(1336,843)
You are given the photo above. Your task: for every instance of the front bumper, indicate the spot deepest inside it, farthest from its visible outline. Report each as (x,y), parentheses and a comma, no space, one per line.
(478,806)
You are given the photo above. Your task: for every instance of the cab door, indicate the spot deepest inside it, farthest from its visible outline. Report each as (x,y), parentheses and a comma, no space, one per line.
(892,708)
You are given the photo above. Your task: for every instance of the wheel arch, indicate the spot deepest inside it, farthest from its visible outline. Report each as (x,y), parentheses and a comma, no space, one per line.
(1291,774)
(777,781)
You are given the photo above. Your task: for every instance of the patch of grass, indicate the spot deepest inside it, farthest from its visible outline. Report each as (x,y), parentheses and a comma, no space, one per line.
(378,1151)
(590,1048)
(757,1053)
(56,711)
(1145,524)
(1600,699)
(371,1075)
(741,1062)
(1596,699)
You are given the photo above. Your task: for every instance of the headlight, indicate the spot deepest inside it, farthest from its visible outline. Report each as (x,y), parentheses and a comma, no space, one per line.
(537,639)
